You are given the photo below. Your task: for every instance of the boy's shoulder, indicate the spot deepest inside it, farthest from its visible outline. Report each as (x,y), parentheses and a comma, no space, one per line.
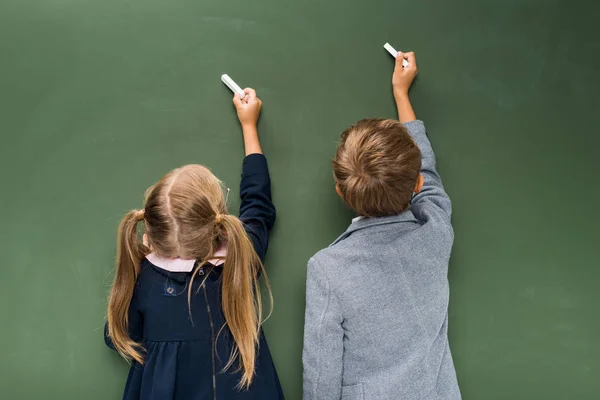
(343,260)
(327,257)
(331,266)
(385,243)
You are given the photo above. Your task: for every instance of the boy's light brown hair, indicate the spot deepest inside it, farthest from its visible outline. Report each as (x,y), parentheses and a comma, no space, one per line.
(376,167)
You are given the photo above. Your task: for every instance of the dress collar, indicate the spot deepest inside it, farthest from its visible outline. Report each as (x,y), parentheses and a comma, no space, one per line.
(182,265)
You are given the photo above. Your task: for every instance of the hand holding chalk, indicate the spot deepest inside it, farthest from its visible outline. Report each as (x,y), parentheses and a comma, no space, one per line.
(404,75)
(248,107)
(394,53)
(232,85)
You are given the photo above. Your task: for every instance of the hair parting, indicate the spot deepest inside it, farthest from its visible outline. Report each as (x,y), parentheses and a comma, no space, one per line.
(185,217)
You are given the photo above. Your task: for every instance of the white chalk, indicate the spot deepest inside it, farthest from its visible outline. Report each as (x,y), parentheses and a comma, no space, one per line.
(394,53)
(232,85)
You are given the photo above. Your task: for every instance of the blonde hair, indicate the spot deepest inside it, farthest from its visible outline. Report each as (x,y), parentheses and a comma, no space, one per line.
(376,167)
(185,217)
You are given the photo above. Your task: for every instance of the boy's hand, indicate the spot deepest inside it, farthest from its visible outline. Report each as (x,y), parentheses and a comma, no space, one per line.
(403,76)
(248,108)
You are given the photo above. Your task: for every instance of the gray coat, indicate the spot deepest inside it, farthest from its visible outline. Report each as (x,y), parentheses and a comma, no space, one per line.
(376,325)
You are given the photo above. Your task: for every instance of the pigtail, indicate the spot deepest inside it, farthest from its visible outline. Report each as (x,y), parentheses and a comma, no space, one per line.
(241,301)
(130,252)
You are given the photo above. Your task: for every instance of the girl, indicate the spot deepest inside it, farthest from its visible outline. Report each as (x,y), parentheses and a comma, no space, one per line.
(185,305)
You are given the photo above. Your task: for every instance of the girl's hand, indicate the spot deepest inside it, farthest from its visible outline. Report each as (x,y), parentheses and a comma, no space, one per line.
(248,111)
(248,108)
(403,76)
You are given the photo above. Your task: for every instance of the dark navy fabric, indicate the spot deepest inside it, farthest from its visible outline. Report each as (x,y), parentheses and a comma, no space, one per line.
(178,339)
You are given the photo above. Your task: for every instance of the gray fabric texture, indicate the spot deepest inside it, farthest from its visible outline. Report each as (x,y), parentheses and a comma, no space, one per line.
(376,323)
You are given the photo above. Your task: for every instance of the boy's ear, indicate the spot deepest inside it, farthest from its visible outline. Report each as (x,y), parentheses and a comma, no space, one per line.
(338,191)
(419,184)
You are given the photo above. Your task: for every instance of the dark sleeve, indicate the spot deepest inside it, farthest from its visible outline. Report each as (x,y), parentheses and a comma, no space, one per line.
(257,211)
(136,323)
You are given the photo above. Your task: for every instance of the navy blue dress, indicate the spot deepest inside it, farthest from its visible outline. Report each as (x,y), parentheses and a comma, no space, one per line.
(180,363)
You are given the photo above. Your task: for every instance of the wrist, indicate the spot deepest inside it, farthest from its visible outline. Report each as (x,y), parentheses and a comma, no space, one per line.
(401,94)
(249,127)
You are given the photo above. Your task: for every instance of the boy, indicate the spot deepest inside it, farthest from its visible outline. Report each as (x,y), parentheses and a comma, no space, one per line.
(377,299)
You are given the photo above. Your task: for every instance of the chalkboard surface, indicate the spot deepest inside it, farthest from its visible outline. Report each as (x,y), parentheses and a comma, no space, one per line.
(98,99)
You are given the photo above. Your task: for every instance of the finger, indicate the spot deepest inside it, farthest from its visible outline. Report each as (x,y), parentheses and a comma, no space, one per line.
(251,93)
(399,57)
(237,101)
(412,60)
(398,67)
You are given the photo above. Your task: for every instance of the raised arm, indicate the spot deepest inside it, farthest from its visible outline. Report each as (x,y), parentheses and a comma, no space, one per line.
(248,111)
(432,192)
(257,211)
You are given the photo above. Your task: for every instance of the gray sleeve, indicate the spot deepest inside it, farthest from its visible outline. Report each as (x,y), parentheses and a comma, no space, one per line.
(433,192)
(323,338)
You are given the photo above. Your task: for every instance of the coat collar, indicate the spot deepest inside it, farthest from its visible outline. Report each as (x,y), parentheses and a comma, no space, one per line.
(363,223)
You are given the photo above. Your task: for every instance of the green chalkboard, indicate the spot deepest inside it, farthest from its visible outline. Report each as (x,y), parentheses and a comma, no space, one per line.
(98,99)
